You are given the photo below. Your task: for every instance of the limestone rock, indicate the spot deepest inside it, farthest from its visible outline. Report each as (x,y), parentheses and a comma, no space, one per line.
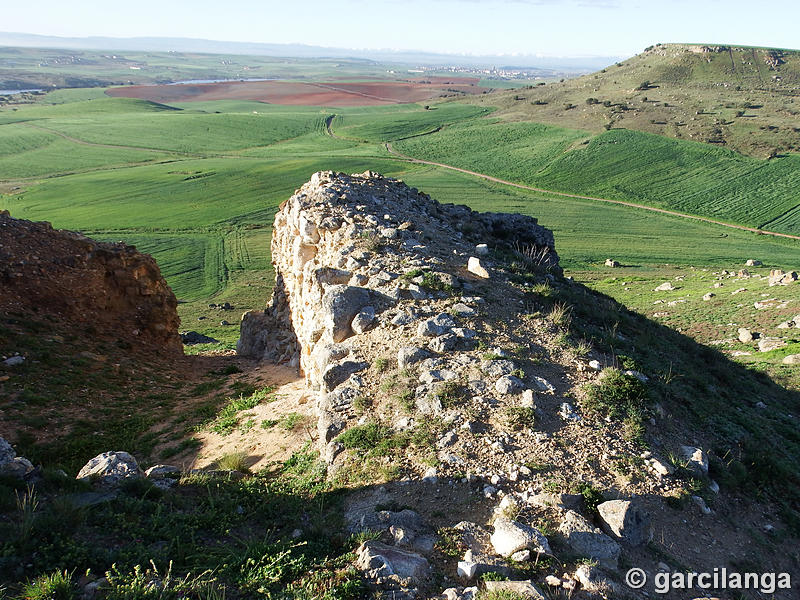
(527,399)
(752,263)
(17,467)
(161,471)
(779,277)
(462,310)
(610,262)
(508,384)
(543,385)
(192,337)
(466,569)
(340,304)
(364,320)
(511,536)
(436,326)
(770,343)
(379,560)
(7,452)
(525,589)
(745,335)
(475,267)
(791,359)
(335,375)
(498,368)
(665,287)
(568,413)
(697,459)
(109,469)
(408,355)
(625,521)
(586,540)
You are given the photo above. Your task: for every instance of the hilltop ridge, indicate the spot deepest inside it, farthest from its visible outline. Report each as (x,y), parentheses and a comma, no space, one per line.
(744,98)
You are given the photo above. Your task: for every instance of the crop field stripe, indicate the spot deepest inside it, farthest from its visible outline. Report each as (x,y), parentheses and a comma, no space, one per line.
(391,150)
(93,144)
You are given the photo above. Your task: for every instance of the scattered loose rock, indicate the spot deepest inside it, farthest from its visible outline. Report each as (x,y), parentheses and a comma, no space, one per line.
(625,522)
(109,469)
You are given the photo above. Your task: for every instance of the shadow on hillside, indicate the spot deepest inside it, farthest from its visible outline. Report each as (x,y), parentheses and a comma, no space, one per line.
(747,420)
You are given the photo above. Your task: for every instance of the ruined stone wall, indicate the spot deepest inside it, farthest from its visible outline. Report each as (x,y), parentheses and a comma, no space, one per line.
(109,289)
(347,251)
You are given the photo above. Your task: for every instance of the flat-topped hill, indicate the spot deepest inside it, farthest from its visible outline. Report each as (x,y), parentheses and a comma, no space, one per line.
(741,97)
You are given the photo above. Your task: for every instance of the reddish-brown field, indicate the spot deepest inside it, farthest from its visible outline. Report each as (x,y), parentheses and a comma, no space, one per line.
(331,93)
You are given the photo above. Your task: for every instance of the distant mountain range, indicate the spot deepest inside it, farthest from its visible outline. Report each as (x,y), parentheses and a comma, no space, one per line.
(159,44)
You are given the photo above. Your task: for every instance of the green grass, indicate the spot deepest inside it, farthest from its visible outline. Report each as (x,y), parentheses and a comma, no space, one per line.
(209,537)
(625,165)
(228,418)
(399,121)
(188,132)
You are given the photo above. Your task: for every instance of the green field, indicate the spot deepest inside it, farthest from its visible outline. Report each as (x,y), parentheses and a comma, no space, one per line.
(625,165)
(197,184)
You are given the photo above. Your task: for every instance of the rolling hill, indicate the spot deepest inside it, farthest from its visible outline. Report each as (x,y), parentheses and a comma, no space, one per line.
(746,99)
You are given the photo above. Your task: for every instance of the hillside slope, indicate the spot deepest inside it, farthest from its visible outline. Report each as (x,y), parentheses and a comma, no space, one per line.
(747,99)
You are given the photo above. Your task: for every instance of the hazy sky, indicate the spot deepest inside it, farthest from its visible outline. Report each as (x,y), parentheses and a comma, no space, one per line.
(549,27)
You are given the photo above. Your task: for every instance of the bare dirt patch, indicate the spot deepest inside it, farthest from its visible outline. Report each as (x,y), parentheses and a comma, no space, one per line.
(271,431)
(333,93)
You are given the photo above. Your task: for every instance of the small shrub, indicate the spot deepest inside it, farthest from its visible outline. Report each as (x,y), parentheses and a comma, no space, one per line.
(388,383)
(450,542)
(407,400)
(149,584)
(583,347)
(450,393)
(228,419)
(233,461)
(592,497)
(519,417)
(542,289)
(291,421)
(560,314)
(381,364)
(616,396)
(56,586)
(493,576)
(364,437)
(361,404)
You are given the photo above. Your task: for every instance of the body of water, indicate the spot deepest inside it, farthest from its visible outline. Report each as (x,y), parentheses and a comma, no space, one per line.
(11,92)
(196,81)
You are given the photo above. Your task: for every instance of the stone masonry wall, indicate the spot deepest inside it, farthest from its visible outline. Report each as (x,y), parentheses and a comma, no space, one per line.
(343,248)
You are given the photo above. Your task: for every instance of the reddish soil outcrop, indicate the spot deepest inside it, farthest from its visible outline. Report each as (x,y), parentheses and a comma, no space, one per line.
(108,291)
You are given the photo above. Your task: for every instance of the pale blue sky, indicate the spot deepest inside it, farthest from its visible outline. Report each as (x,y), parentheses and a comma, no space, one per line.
(548,27)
